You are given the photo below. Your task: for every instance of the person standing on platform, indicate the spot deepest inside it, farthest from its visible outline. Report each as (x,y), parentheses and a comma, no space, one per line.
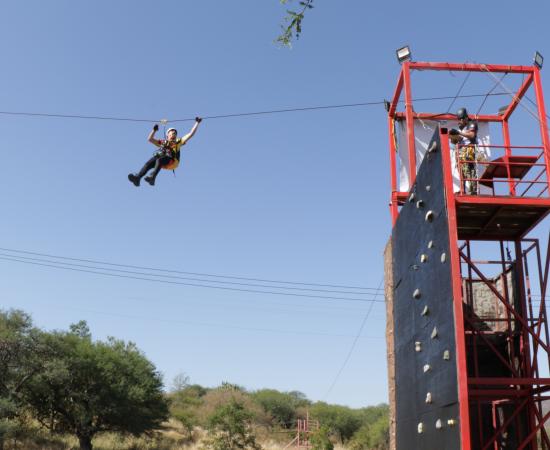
(465,139)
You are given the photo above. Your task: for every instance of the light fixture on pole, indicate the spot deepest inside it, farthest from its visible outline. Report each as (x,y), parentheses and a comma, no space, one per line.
(538,60)
(403,54)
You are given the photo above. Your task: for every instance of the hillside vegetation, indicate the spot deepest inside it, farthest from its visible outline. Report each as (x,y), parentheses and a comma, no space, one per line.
(63,390)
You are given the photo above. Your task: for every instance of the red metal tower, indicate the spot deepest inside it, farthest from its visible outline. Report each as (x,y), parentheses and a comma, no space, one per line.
(498,337)
(304,429)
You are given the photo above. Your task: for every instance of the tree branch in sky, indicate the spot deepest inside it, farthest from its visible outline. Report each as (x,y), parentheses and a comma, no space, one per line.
(292,23)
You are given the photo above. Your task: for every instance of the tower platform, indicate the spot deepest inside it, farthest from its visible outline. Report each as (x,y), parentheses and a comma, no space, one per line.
(483,217)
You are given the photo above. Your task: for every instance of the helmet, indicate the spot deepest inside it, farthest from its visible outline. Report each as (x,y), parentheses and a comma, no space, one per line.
(171,129)
(462,113)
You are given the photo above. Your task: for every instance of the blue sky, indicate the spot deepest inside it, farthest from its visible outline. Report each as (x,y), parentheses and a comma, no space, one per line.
(301,196)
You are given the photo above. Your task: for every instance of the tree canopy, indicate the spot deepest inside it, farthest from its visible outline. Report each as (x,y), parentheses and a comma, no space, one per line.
(89,387)
(21,356)
(231,428)
(281,406)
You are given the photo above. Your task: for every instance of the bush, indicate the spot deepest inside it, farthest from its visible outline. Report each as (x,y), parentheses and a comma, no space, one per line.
(216,398)
(320,439)
(184,405)
(374,434)
(230,428)
(340,420)
(281,406)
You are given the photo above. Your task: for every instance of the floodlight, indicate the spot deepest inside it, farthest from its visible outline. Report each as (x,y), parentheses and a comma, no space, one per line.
(403,54)
(538,60)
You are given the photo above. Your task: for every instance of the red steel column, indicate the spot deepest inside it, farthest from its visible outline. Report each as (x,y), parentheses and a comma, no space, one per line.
(507,153)
(393,175)
(525,347)
(409,117)
(542,122)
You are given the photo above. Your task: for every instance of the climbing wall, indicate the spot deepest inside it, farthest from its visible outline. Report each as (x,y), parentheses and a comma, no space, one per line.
(426,396)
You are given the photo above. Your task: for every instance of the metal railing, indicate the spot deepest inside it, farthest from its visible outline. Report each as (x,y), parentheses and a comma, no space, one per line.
(511,171)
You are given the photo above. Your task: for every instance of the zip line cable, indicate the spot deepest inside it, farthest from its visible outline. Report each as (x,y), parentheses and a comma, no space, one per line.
(187,273)
(312,108)
(225,116)
(75,116)
(101,271)
(352,348)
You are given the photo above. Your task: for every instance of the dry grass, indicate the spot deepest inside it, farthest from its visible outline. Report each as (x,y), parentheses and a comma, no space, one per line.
(171,437)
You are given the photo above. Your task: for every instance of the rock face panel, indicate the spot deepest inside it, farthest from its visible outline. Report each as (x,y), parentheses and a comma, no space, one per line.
(425,386)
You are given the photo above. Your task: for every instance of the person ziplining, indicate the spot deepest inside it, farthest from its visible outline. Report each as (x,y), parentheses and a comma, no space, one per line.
(166,157)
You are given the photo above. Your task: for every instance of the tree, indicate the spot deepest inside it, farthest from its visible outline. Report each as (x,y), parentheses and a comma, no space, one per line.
(281,406)
(340,420)
(292,23)
(90,387)
(221,396)
(20,359)
(374,433)
(371,436)
(180,382)
(231,428)
(185,401)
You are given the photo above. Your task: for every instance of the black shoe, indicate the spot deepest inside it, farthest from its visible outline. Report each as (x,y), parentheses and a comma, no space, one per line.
(134,179)
(150,180)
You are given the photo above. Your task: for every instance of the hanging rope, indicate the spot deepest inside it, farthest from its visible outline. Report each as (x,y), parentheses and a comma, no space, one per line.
(459,91)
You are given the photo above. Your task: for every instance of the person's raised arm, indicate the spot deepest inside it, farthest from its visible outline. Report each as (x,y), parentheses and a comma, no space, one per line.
(151,137)
(189,135)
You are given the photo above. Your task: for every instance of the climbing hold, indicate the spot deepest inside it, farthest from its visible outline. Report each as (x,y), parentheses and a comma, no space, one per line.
(420,204)
(428,398)
(430,216)
(423,258)
(434,333)
(416,293)
(438,424)
(433,147)
(446,355)
(425,311)
(418,346)
(451,422)
(412,197)
(426,368)
(443,257)
(428,188)
(415,267)
(420,428)
(430,244)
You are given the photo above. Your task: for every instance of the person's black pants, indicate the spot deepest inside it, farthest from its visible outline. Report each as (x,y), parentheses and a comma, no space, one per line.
(156,163)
